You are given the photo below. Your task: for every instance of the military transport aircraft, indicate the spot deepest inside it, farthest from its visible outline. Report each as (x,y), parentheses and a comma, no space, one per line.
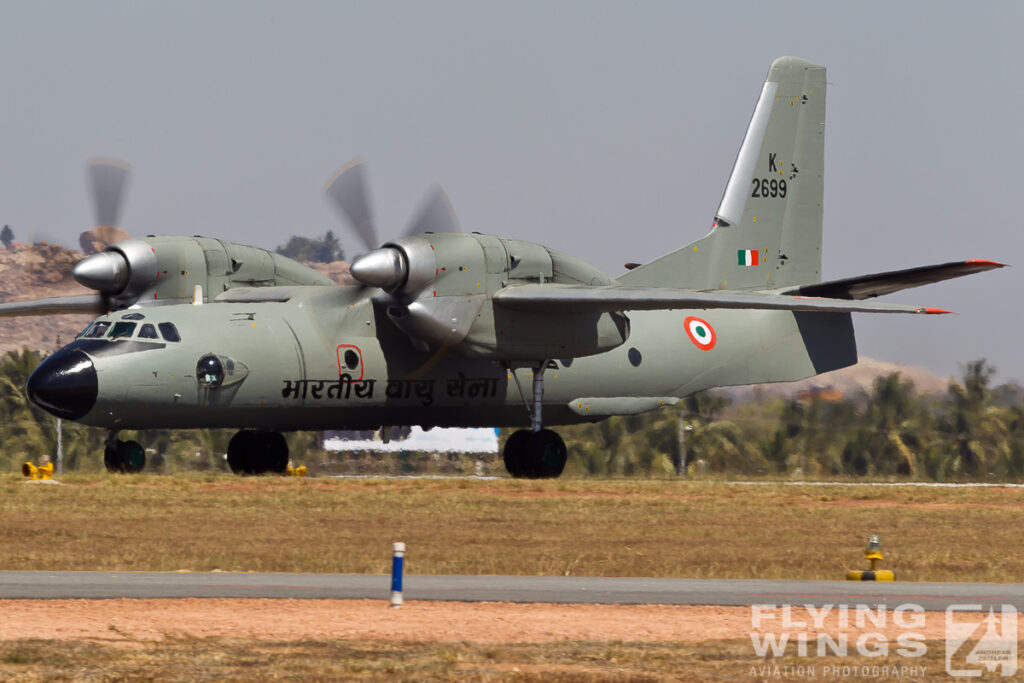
(449,328)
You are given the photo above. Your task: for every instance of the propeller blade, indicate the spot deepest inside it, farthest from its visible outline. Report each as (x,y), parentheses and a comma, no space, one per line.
(84,303)
(436,214)
(109,177)
(347,190)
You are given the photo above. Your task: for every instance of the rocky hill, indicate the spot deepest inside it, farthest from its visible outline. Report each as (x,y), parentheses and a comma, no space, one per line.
(34,272)
(848,382)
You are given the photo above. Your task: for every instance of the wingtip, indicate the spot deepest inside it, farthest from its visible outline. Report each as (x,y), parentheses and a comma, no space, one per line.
(934,311)
(985,262)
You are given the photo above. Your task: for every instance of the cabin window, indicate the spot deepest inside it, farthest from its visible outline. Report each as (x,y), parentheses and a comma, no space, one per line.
(351,359)
(170,332)
(122,330)
(148,331)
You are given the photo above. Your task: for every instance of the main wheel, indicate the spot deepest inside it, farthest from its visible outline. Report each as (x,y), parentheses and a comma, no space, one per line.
(239,459)
(255,452)
(273,451)
(513,453)
(545,455)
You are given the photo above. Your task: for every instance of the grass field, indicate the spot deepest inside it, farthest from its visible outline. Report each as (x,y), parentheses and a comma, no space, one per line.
(596,528)
(220,659)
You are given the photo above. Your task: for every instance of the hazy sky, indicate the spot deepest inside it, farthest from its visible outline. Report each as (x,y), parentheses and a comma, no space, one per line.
(606,130)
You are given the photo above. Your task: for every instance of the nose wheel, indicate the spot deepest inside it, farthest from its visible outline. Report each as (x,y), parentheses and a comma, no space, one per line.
(123,456)
(535,453)
(252,451)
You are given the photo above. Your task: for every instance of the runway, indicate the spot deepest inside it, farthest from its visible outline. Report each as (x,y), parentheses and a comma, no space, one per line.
(523,589)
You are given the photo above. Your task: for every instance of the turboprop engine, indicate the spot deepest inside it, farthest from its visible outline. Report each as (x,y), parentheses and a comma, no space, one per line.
(156,270)
(439,287)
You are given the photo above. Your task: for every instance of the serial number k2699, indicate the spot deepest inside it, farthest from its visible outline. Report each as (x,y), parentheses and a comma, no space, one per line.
(763,187)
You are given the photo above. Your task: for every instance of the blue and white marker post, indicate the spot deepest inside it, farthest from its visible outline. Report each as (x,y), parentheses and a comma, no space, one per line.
(396,574)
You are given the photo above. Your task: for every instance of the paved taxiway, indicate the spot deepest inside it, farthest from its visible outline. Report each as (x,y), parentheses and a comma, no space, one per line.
(556,589)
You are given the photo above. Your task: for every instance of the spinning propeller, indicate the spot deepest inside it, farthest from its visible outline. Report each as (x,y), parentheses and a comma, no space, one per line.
(108,272)
(404,267)
(386,266)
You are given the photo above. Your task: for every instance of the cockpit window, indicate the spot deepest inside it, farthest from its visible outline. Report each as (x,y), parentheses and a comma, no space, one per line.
(170,332)
(122,330)
(147,332)
(97,330)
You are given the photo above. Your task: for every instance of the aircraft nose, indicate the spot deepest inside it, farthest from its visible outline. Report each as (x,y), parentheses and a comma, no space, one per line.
(64,384)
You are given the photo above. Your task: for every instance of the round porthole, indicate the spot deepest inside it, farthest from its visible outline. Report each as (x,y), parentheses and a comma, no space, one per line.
(351,359)
(634,357)
(210,371)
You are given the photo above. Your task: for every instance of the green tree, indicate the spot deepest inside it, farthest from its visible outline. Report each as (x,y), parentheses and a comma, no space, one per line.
(323,250)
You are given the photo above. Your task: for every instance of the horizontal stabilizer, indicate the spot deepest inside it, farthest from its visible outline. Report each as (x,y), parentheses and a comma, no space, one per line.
(83,303)
(868,286)
(556,298)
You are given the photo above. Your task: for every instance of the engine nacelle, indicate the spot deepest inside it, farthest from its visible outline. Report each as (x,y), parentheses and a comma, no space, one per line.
(156,270)
(441,287)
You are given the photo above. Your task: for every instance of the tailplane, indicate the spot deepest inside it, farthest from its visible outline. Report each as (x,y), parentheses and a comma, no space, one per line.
(767,231)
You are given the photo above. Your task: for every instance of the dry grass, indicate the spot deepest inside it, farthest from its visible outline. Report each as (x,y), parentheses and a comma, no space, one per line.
(219,659)
(606,528)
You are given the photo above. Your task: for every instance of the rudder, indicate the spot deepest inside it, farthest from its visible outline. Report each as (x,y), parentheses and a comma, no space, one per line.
(767,230)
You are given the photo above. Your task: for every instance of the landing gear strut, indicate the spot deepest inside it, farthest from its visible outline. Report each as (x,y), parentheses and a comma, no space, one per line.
(255,452)
(123,456)
(536,453)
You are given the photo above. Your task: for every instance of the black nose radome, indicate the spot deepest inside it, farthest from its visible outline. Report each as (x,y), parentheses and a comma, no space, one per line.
(64,384)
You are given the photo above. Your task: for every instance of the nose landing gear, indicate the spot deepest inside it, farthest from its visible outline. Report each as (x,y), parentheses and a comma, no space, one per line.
(123,456)
(536,453)
(252,451)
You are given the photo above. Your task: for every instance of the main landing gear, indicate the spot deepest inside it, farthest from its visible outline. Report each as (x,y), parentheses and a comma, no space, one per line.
(251,451)
(123,456)
(534,453)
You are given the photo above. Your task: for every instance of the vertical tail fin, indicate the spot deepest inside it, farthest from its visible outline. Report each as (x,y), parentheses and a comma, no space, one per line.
(767,231)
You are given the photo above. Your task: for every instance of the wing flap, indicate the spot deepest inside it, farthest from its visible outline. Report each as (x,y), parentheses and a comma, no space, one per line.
(556,298)
(878,284)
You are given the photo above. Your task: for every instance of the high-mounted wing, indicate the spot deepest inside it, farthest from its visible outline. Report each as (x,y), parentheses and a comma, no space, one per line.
(83,303)
(560,298)
(878,284)
(257,295)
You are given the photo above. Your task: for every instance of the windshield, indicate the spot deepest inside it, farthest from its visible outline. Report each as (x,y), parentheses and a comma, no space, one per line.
(122,330)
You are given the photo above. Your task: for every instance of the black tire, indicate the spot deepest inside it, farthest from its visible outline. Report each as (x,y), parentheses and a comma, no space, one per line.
(275,452)
(254,452)
(545,455)
(239,453)
(113,458)
(513,454)
(133,456)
